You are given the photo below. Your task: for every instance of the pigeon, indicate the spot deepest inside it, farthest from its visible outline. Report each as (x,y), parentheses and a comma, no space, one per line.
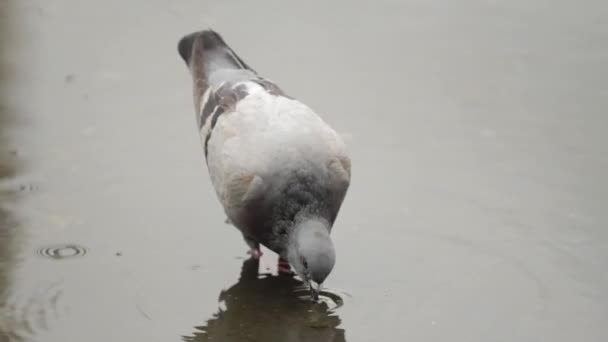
(279,170)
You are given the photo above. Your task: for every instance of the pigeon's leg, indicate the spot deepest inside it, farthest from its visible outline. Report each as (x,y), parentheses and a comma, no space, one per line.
(284,267)
(254,248)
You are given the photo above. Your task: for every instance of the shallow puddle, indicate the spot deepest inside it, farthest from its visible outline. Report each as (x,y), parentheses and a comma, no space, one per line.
(477,210)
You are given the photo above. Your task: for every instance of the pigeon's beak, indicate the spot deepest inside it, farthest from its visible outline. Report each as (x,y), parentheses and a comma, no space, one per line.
(314,290)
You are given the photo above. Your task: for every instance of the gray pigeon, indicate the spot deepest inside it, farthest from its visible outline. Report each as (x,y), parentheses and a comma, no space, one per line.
(280,172)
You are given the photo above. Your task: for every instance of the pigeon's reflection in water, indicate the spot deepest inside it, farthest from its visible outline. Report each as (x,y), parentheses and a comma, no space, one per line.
(265,308)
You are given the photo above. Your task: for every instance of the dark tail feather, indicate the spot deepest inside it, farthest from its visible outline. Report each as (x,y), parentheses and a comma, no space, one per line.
(185,45)
(203,51)
(196,47)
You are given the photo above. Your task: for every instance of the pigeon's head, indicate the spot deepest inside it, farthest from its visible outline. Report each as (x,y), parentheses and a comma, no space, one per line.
(311,252)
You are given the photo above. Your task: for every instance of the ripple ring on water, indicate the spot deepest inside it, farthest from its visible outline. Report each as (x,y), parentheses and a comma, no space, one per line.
(332,298)
(59,252)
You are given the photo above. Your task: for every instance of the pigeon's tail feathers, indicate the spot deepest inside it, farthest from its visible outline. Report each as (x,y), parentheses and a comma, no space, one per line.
(209,59)
(206,51)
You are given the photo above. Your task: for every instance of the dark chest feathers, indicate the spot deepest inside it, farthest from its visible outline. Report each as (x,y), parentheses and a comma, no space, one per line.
(270,218)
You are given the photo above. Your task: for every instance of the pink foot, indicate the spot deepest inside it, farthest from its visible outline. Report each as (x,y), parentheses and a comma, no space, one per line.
(255,253)
(284,267)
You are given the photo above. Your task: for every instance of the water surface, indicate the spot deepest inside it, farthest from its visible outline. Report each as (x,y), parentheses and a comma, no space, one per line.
(477,210)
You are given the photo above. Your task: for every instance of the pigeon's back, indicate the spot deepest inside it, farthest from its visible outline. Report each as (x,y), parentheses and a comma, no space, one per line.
(268,155)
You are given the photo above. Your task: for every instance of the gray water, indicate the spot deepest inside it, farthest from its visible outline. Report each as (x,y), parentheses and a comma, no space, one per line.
(477,210)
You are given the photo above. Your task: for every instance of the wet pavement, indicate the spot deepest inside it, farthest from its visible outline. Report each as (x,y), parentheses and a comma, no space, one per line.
(477,210)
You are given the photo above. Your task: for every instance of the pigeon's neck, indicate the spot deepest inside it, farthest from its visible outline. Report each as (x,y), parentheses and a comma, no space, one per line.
(310,228)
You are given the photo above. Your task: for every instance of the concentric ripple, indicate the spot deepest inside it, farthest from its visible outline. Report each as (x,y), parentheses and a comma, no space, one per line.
(331,298)
(59,252)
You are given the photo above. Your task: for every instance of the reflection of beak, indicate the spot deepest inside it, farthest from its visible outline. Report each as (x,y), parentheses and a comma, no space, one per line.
(314,290)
